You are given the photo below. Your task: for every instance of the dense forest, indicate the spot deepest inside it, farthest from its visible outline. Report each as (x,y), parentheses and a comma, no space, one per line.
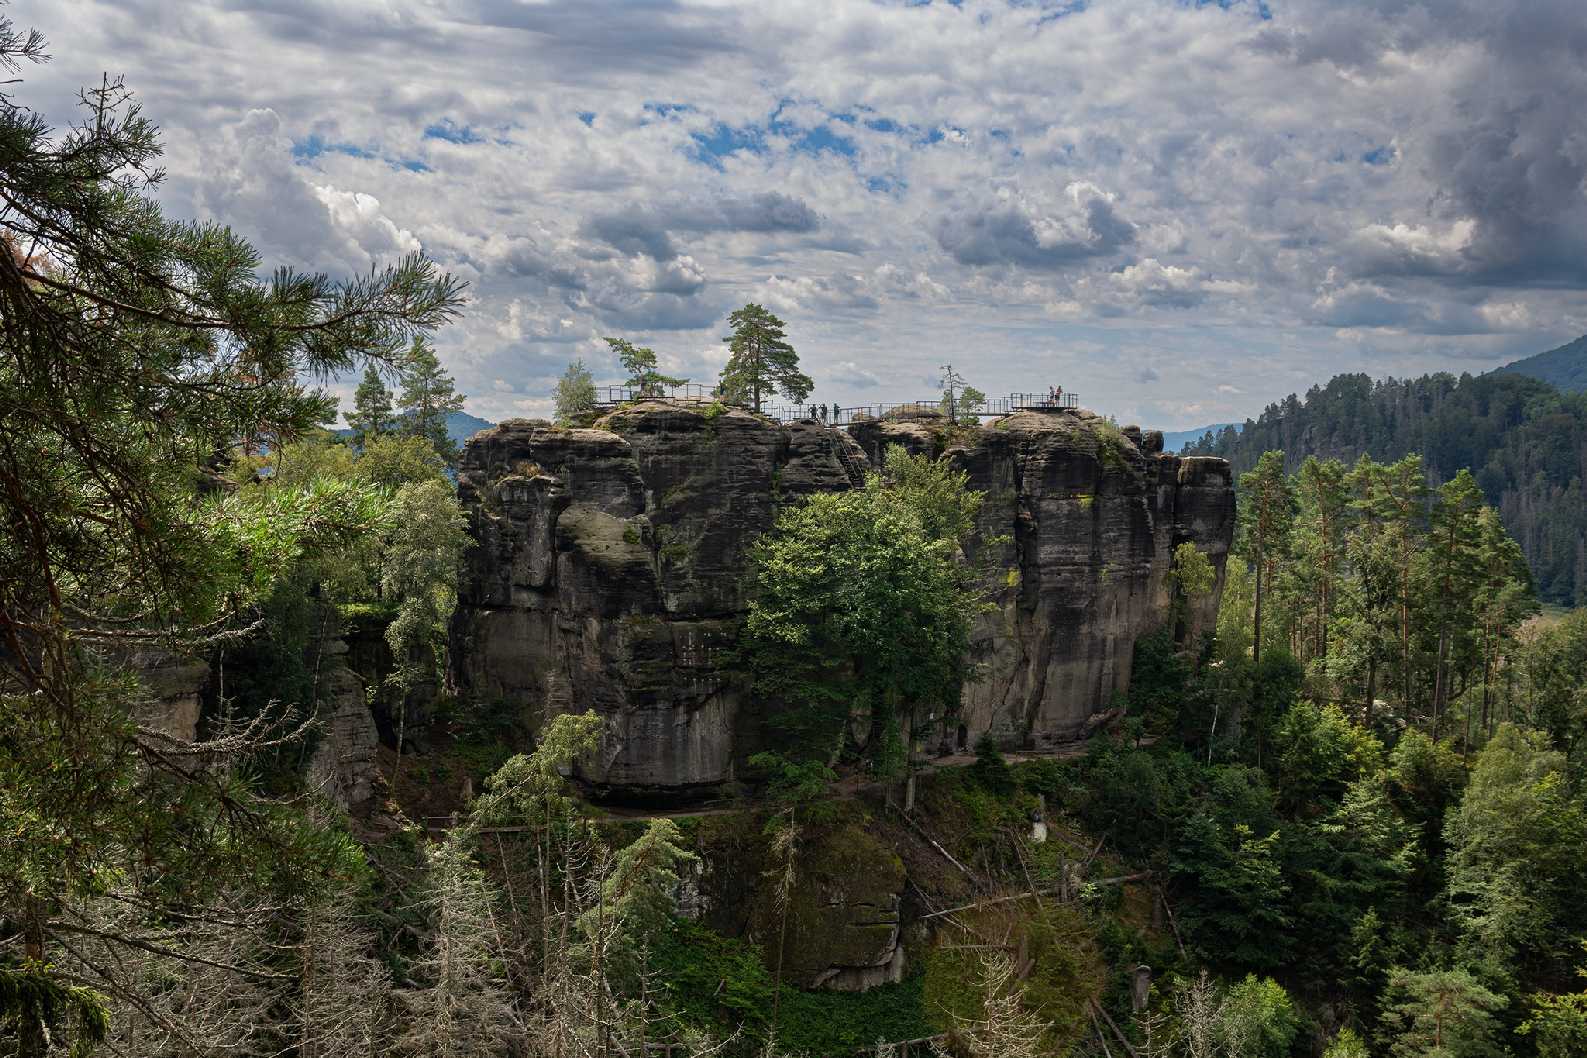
(1525,441)
(1349,820)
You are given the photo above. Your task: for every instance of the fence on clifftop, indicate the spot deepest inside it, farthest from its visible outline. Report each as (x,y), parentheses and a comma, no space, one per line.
(610,397)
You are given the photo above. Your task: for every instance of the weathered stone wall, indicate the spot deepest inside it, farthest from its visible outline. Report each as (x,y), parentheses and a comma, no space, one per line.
(611,569)
(1089,516)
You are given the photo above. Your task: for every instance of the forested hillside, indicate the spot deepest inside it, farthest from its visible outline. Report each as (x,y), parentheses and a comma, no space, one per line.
(1523,439)
(244,814)
(1565,367)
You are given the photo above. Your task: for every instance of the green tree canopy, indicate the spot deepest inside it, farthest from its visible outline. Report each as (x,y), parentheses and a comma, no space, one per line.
(640,363)
(762,363)
(429,397)
(575,394)
(859,610)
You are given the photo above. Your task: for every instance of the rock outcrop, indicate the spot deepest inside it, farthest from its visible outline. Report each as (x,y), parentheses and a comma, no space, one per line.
(343,767)
(1084,517)
(611,569)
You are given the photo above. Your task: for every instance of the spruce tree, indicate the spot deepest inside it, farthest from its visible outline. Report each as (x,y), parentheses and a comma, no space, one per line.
(429,397)
(372,415)
(762,362)
(464,1006)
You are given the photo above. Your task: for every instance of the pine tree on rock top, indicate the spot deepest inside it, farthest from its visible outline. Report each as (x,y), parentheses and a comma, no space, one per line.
(640,363)
(762,362)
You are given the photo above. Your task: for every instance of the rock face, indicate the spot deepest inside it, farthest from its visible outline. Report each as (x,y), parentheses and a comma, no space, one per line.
(343,767)
(1088,516)
(841,930)
(611,571)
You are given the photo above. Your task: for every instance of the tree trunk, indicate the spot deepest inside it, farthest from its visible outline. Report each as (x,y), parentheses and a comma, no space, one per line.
(32,1040)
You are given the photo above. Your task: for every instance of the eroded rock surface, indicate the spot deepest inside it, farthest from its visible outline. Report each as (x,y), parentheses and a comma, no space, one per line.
(611,569)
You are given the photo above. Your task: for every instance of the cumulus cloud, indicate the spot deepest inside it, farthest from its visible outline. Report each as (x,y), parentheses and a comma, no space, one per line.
(648,229)
(1144,198)
(1017,231)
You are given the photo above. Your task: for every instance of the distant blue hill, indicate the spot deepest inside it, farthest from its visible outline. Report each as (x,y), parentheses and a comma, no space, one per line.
(460,426)
(1565,367)
(1178,439)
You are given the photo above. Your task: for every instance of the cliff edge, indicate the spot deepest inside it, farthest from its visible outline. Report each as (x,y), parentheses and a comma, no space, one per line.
(611,570)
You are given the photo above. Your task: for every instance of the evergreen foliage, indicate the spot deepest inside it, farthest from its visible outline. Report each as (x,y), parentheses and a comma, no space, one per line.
(135,352)
(428,397)
(761,363)
(640,364)
(1522,439)
(372,414)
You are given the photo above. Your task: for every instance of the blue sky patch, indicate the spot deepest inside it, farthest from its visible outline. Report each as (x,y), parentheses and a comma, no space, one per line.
(1379,155)
(314,145)
(452,132)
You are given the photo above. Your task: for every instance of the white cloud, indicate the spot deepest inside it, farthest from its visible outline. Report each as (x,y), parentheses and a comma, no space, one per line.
(1194,190)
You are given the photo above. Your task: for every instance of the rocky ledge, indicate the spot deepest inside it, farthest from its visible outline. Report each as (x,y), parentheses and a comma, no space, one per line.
(610,571)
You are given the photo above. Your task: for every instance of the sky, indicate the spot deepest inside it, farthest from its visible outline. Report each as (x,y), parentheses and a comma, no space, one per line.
(1180,211)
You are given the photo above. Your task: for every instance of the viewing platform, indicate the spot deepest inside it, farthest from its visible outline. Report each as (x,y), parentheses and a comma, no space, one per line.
(609,398)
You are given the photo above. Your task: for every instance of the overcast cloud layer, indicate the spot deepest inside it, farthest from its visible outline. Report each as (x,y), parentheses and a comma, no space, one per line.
(1180,211)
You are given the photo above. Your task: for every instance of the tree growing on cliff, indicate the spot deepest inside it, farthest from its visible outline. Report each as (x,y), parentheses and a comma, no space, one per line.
(640,363)
(762,363)
(861,611)
(429,397)
(575,394)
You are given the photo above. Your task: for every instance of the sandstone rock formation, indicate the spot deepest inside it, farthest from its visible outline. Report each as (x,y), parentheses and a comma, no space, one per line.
(1089,516)
(611,569)
(343,767)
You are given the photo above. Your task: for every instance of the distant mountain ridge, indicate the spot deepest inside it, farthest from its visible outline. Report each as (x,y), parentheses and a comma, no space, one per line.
(1565,367)
(1174,440)
(460,426)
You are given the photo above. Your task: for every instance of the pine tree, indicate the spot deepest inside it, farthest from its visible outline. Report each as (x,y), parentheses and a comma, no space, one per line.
(1319,544)
(575,394)
(1267,516)
(429,397)
(1440,1014)
(762,362)
(137,351)
(640,363)
(1453,569)
(372,415)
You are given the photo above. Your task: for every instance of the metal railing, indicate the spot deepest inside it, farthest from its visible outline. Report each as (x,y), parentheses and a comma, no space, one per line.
(847,416)
(833,415)
(688,392)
